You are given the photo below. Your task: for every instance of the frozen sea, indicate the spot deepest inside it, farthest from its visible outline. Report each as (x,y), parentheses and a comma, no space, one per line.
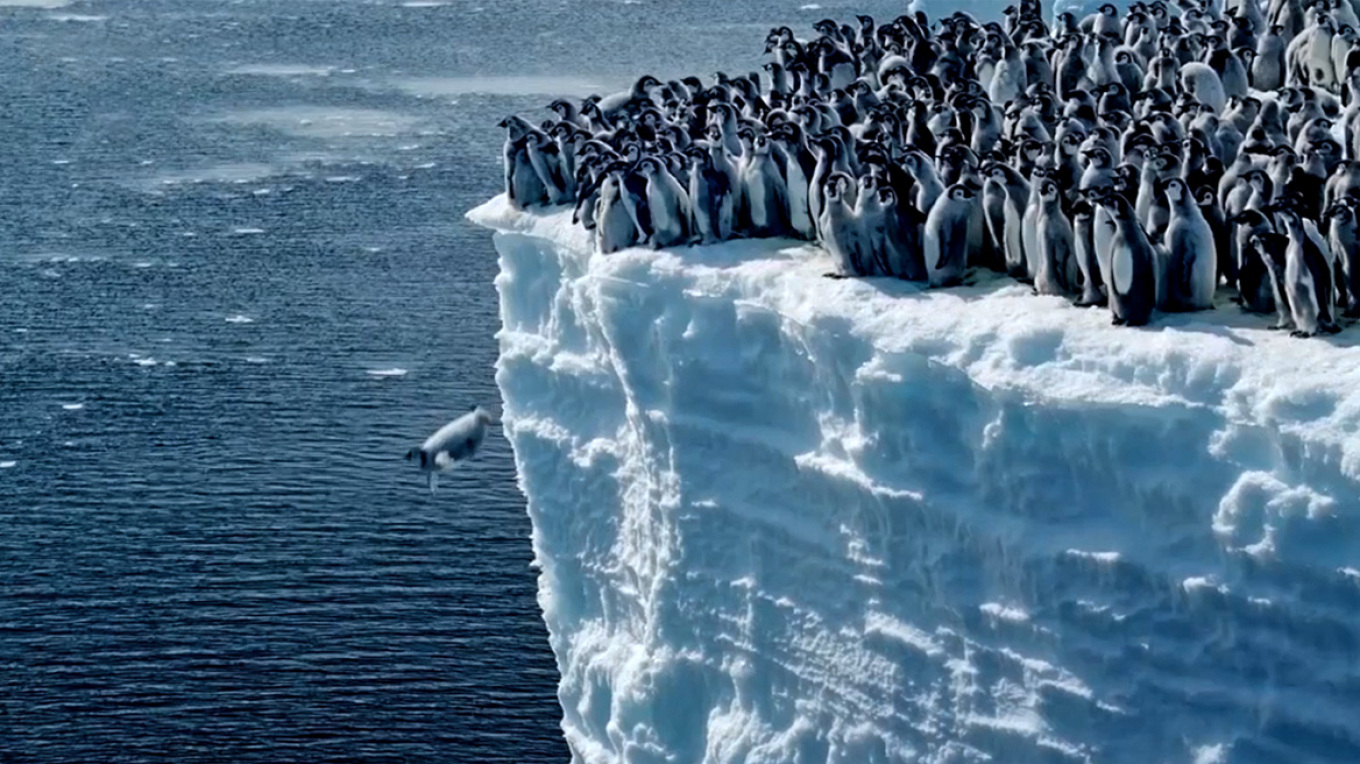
(235,286)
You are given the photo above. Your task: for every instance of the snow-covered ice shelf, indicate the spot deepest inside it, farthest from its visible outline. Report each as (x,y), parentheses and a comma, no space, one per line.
(781,518)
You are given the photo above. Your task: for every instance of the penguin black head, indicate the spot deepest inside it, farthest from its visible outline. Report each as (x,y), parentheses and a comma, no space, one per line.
(960,192)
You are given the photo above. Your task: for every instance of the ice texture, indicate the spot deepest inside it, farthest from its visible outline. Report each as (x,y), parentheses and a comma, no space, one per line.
(786,519)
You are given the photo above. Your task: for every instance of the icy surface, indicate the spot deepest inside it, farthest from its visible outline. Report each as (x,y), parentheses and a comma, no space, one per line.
(783,519)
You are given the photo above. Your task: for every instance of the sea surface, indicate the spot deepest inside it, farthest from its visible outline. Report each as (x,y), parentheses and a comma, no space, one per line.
(235,287)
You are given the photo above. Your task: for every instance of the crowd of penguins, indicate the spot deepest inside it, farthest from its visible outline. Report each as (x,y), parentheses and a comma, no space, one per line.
(1137,162)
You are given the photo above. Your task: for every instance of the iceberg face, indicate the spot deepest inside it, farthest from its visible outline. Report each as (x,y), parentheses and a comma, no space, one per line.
(781,518)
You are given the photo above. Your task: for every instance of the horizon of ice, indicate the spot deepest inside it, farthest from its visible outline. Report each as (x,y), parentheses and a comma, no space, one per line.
(785,519)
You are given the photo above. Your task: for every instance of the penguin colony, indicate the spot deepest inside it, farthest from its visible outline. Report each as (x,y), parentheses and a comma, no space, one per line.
(1138,163)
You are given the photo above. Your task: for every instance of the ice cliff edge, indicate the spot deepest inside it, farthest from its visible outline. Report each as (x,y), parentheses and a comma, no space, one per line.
(781,518)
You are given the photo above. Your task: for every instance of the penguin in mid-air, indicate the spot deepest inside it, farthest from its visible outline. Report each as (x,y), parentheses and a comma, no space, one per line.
(451,445)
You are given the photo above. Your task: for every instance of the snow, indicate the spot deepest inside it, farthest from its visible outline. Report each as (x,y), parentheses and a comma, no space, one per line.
(782,518)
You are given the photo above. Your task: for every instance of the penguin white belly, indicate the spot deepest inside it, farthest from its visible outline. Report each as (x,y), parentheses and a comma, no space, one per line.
(1298,279)
(1015,252)
(799,217)
(1121,267)
(930,247)
(614,228)
(529,188)
(1204,269)
(1103,235)
(1319,61)
(666,228)
(1030,237)
(758,201)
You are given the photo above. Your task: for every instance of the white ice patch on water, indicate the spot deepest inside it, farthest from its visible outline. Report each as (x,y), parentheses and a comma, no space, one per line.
(73,406)
(247,231)
(282,70)
(327,122)
(1211,754)
(77,18)
(239,319)
(384,373)
(780,518)
(34,3)
(443,87)
(8,464)
(239,172)
(1003,612)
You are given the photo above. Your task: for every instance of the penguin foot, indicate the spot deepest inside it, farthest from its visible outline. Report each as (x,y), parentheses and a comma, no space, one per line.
(1089,302)
(1330,328)
(1301,334)
(1117,321)
(835,276)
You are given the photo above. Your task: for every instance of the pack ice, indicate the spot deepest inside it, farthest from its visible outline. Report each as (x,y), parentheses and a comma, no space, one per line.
(786,519)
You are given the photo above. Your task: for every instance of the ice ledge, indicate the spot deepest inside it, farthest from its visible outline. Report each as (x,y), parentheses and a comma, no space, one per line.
(782,518)
(1010,341)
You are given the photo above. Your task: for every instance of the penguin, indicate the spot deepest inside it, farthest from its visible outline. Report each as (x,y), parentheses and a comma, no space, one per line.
(1274,253)
(1226,253)
(1057,258)
(451,445)
(1029,226)
(765,197)
(523,185)
(798,167)
(946,236)
(929,187)
(1307,284)
(1084,250)
(902,240)
(1343,235)
(1202,82)
(542,151)
(840,229)
(612,106)
(1192,255)
(1255,284)
(712,198)
(1016,198)
(615,228)
(1132,282)
(873,226)
(1268,65)
(668,203)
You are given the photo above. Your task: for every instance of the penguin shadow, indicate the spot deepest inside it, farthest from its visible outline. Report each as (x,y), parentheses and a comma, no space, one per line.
(1229,320)
(977,284)
(1225,320)
(1347,337)
(734,252)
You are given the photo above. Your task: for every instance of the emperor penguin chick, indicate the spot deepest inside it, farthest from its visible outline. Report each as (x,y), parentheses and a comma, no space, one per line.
(1057,259)
(946,236)
(1191,254)
(1132,283)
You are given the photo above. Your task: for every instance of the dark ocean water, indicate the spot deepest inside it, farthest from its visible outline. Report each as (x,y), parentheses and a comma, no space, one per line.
(235,287)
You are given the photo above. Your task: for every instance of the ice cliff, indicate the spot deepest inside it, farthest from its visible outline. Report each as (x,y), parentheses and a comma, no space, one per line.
(783,519)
